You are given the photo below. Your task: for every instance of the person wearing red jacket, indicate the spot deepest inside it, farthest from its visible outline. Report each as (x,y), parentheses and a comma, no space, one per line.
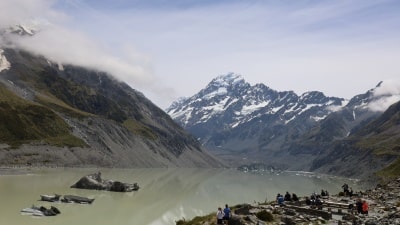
(365,207)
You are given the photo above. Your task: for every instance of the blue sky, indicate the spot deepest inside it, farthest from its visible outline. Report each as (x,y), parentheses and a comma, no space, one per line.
(170,49)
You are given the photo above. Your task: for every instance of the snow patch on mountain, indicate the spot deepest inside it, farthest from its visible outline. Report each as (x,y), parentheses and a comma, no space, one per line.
(228,79)
(60,66)
(217,107)
(4,63)
(219,91)
(335,108)
(276,109)
(317,118)
(248,109)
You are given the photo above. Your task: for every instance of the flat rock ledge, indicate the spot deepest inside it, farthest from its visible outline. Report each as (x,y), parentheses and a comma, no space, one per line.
(95,182)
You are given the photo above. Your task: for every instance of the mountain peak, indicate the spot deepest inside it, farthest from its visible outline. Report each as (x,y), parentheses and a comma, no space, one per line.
(23,29)
(227,79)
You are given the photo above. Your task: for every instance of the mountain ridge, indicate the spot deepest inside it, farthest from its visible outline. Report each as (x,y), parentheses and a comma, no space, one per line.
(116,125)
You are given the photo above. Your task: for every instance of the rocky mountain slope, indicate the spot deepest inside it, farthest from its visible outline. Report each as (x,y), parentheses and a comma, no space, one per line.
(372,147)
(53,114)
(247,124)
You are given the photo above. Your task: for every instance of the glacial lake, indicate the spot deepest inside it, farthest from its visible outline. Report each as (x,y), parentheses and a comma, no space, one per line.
(165,195)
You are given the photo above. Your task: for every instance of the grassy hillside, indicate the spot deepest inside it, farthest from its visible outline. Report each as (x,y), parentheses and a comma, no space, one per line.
(382,136)
(393,170)
(24,122)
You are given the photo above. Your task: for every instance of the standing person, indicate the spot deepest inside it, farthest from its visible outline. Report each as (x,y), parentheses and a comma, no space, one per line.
(220,215)
(227,214)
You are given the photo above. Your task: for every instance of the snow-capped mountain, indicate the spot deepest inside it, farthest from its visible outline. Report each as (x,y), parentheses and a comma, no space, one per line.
(229,102)
(246,123)
(231,94)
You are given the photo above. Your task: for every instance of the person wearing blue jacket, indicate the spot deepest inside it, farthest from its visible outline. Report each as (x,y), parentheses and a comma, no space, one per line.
(227,212)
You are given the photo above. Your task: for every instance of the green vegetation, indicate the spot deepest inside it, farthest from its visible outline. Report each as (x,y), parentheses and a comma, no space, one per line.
(392,170)
(66,140)
(381,144)
(198,220)
(80,96)
(54,103)
(139,129)
(24,122)
(265,216)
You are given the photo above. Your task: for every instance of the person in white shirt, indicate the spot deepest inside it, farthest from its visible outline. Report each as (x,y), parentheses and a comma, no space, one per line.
(220,215)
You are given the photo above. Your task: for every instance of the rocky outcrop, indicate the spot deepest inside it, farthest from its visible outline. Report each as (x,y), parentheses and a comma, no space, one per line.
(95,182)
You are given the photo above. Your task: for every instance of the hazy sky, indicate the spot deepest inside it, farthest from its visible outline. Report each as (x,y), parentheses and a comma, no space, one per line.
(170,49)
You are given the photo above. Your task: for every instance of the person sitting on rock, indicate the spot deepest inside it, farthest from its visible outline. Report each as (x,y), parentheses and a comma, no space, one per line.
(324,194)
(294,197)
(351,192)
(318,202)
(359,205)
(351,208)
(308,201)
(345,189)
(364,207)
(313,197)
(280,200)
(288,197)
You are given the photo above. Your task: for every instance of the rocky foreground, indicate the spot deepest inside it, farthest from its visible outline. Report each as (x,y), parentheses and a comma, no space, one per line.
(383,201)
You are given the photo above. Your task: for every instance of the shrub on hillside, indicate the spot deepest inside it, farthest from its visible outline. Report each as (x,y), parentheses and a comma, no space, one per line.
(265,216)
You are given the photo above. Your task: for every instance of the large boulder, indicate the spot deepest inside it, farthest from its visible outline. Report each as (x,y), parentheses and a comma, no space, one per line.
(95,182)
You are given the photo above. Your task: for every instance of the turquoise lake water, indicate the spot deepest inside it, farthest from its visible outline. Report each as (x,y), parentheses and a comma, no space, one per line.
(165,195)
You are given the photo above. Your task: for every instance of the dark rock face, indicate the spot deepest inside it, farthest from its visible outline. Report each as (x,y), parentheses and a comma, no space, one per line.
(95,182)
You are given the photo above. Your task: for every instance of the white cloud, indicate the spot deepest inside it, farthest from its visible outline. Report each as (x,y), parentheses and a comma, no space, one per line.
(64,45)
(17,11)
(339,48)
(70,47)
(387,87)
(386,95)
